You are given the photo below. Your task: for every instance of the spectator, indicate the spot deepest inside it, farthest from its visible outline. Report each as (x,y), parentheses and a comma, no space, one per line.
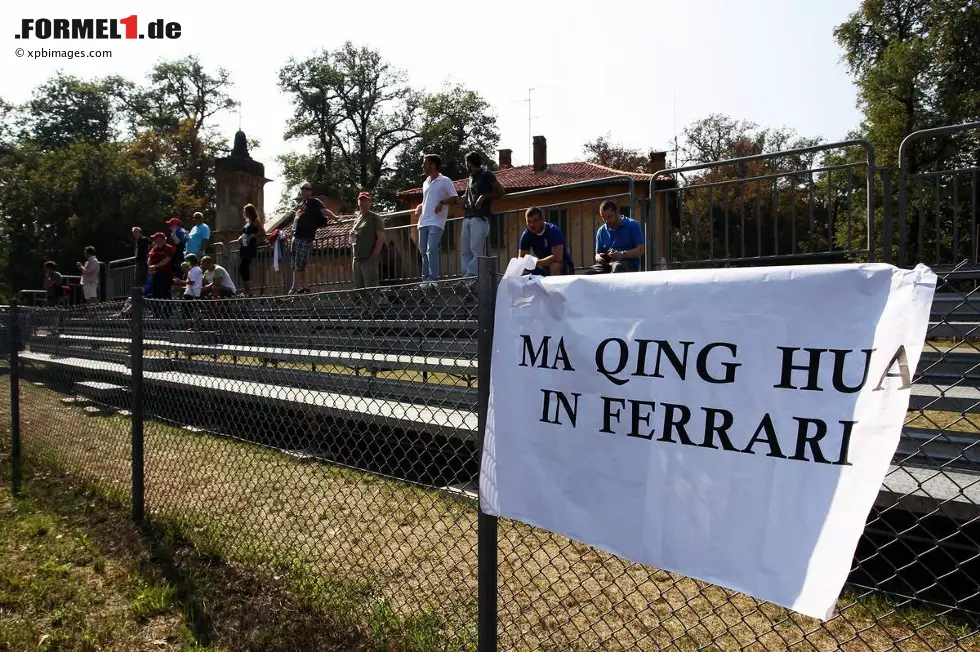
(90,276)
(250,234)
(618,242)
(367,239)
(438,192)
(141,249)
(310,217)
(53,284)
(160,266)
(547,243)
(178,240)
(197,239)
(217,280)
(481,190)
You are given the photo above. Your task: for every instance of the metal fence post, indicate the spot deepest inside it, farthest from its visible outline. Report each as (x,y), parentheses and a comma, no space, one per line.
(136,392)
(486,524)
(886,214)
(13,329)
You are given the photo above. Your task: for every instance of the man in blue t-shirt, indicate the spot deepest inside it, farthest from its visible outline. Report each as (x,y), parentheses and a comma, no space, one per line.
(547,243)
(618,242)
(197,239)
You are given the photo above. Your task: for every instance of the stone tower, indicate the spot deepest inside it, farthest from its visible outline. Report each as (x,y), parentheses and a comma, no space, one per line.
(239,180)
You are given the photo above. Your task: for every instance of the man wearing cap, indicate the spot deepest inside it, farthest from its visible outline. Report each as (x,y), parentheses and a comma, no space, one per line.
(178,240)
(310,217)
(197,239)
(367,239)
(161,267)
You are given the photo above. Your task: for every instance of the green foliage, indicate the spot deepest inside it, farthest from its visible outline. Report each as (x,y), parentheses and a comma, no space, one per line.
(604,152)
(368,128)
(450,123)
(83,161)
(915,64)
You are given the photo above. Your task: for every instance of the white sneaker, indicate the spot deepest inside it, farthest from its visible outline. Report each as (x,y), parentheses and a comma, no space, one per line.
(425,285)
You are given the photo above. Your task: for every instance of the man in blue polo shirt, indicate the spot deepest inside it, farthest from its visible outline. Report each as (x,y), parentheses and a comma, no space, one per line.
(618,243)
(547,243)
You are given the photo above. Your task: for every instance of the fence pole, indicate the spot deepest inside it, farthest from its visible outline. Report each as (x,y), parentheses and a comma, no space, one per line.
(486,536)
(886,213)
(13,329)
(136,392)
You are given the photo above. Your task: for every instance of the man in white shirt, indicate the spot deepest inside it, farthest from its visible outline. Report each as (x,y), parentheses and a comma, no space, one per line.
(90,276)
(217,280)
(437,193)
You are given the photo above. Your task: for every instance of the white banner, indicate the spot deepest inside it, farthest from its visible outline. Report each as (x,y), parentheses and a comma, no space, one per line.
(730,425)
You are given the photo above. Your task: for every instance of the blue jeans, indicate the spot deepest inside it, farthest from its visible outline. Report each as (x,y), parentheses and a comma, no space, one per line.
(473,243)
(429,237)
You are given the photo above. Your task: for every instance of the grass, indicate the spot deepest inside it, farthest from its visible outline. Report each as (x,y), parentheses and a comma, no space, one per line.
(393,566)
(69,580)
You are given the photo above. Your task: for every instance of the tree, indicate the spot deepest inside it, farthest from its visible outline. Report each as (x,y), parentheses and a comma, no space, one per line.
(915,66)
(719,137)
(65,110)
(616,156)
(450,123)
(85,160)
(357,110)
(749,209)
(176,104)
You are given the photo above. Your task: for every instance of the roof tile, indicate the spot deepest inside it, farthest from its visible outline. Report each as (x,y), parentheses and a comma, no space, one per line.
(525,177)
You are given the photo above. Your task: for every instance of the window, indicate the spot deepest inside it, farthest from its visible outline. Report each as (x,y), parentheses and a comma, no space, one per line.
(559,217)
(624,211)
(498,230)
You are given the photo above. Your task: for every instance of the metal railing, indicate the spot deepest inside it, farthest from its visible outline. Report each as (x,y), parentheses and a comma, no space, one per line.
(767,209)
(330,262)
(937,209)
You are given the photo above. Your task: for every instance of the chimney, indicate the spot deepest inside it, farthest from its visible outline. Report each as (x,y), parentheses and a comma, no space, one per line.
(540,154)
(504,158)
(658,162)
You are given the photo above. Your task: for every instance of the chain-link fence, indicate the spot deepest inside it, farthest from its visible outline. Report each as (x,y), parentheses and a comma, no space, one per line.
(332,438)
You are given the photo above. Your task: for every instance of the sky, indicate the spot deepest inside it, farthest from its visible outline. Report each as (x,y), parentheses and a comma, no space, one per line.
(636,72)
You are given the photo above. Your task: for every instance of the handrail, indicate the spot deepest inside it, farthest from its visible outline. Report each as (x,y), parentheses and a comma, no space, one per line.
(855,142)
(783,154)
(935,131)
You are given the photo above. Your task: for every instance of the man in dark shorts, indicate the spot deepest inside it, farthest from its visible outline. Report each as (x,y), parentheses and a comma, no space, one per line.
(547,243)
(310,217)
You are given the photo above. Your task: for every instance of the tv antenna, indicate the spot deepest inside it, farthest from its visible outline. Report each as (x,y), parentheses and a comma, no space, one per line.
(530,138)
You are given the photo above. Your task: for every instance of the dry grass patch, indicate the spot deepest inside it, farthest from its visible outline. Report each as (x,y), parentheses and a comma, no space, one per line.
(407,554)
(939,420)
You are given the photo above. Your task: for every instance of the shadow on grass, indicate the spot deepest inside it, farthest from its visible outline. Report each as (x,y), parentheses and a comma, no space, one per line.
(235,599)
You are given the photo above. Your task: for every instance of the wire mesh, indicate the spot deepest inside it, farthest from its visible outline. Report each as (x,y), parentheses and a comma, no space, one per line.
(331,436)
(74,385)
